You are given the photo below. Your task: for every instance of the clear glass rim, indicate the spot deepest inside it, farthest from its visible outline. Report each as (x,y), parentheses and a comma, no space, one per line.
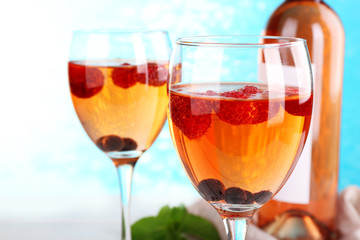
(223,41)
(119,31)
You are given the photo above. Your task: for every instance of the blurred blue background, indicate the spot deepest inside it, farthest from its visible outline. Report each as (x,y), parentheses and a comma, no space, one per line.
(48,165)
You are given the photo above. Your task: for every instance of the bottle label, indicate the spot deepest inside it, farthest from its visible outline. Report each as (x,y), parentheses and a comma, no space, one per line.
(297,188)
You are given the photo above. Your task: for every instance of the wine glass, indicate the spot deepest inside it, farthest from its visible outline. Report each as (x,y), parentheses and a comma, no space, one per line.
(239,114)
(118,88)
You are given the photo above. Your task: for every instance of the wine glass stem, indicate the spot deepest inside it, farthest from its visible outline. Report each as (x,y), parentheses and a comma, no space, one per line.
(125,178)
(236,228)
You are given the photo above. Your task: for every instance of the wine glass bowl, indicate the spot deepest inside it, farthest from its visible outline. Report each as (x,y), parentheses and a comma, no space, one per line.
(118,87)
(239,117)
(123,113)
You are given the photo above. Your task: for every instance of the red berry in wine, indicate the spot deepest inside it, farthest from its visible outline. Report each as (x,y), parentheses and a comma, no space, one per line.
(235,195)
(235,94)
(191,115)
(157,75)
(110,143)
(249,90)
(299,107)
(126,75)
(211,189)
(85,81)
(246,112)
(263,197)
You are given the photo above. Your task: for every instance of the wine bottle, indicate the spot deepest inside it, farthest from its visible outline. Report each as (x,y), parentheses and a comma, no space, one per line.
(306,207)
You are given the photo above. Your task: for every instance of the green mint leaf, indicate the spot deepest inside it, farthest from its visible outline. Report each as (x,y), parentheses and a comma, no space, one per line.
(174,224)
(150,228)
(195,227)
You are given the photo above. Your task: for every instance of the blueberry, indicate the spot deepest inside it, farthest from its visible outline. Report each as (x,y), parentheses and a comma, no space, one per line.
(262,197)
(130,144)
(211,189)
(235,195)
(110,143)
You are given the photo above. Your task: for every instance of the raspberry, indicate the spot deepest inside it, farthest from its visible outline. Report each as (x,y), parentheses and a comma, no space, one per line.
(110,143)
(191,115)
(299,107)
(130,144)
(126,75)
(250,90)
(235,195)
(262,197)
(157,75)
(243,93)
(235,94)
(85,82)
(211,189)
(246,112)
